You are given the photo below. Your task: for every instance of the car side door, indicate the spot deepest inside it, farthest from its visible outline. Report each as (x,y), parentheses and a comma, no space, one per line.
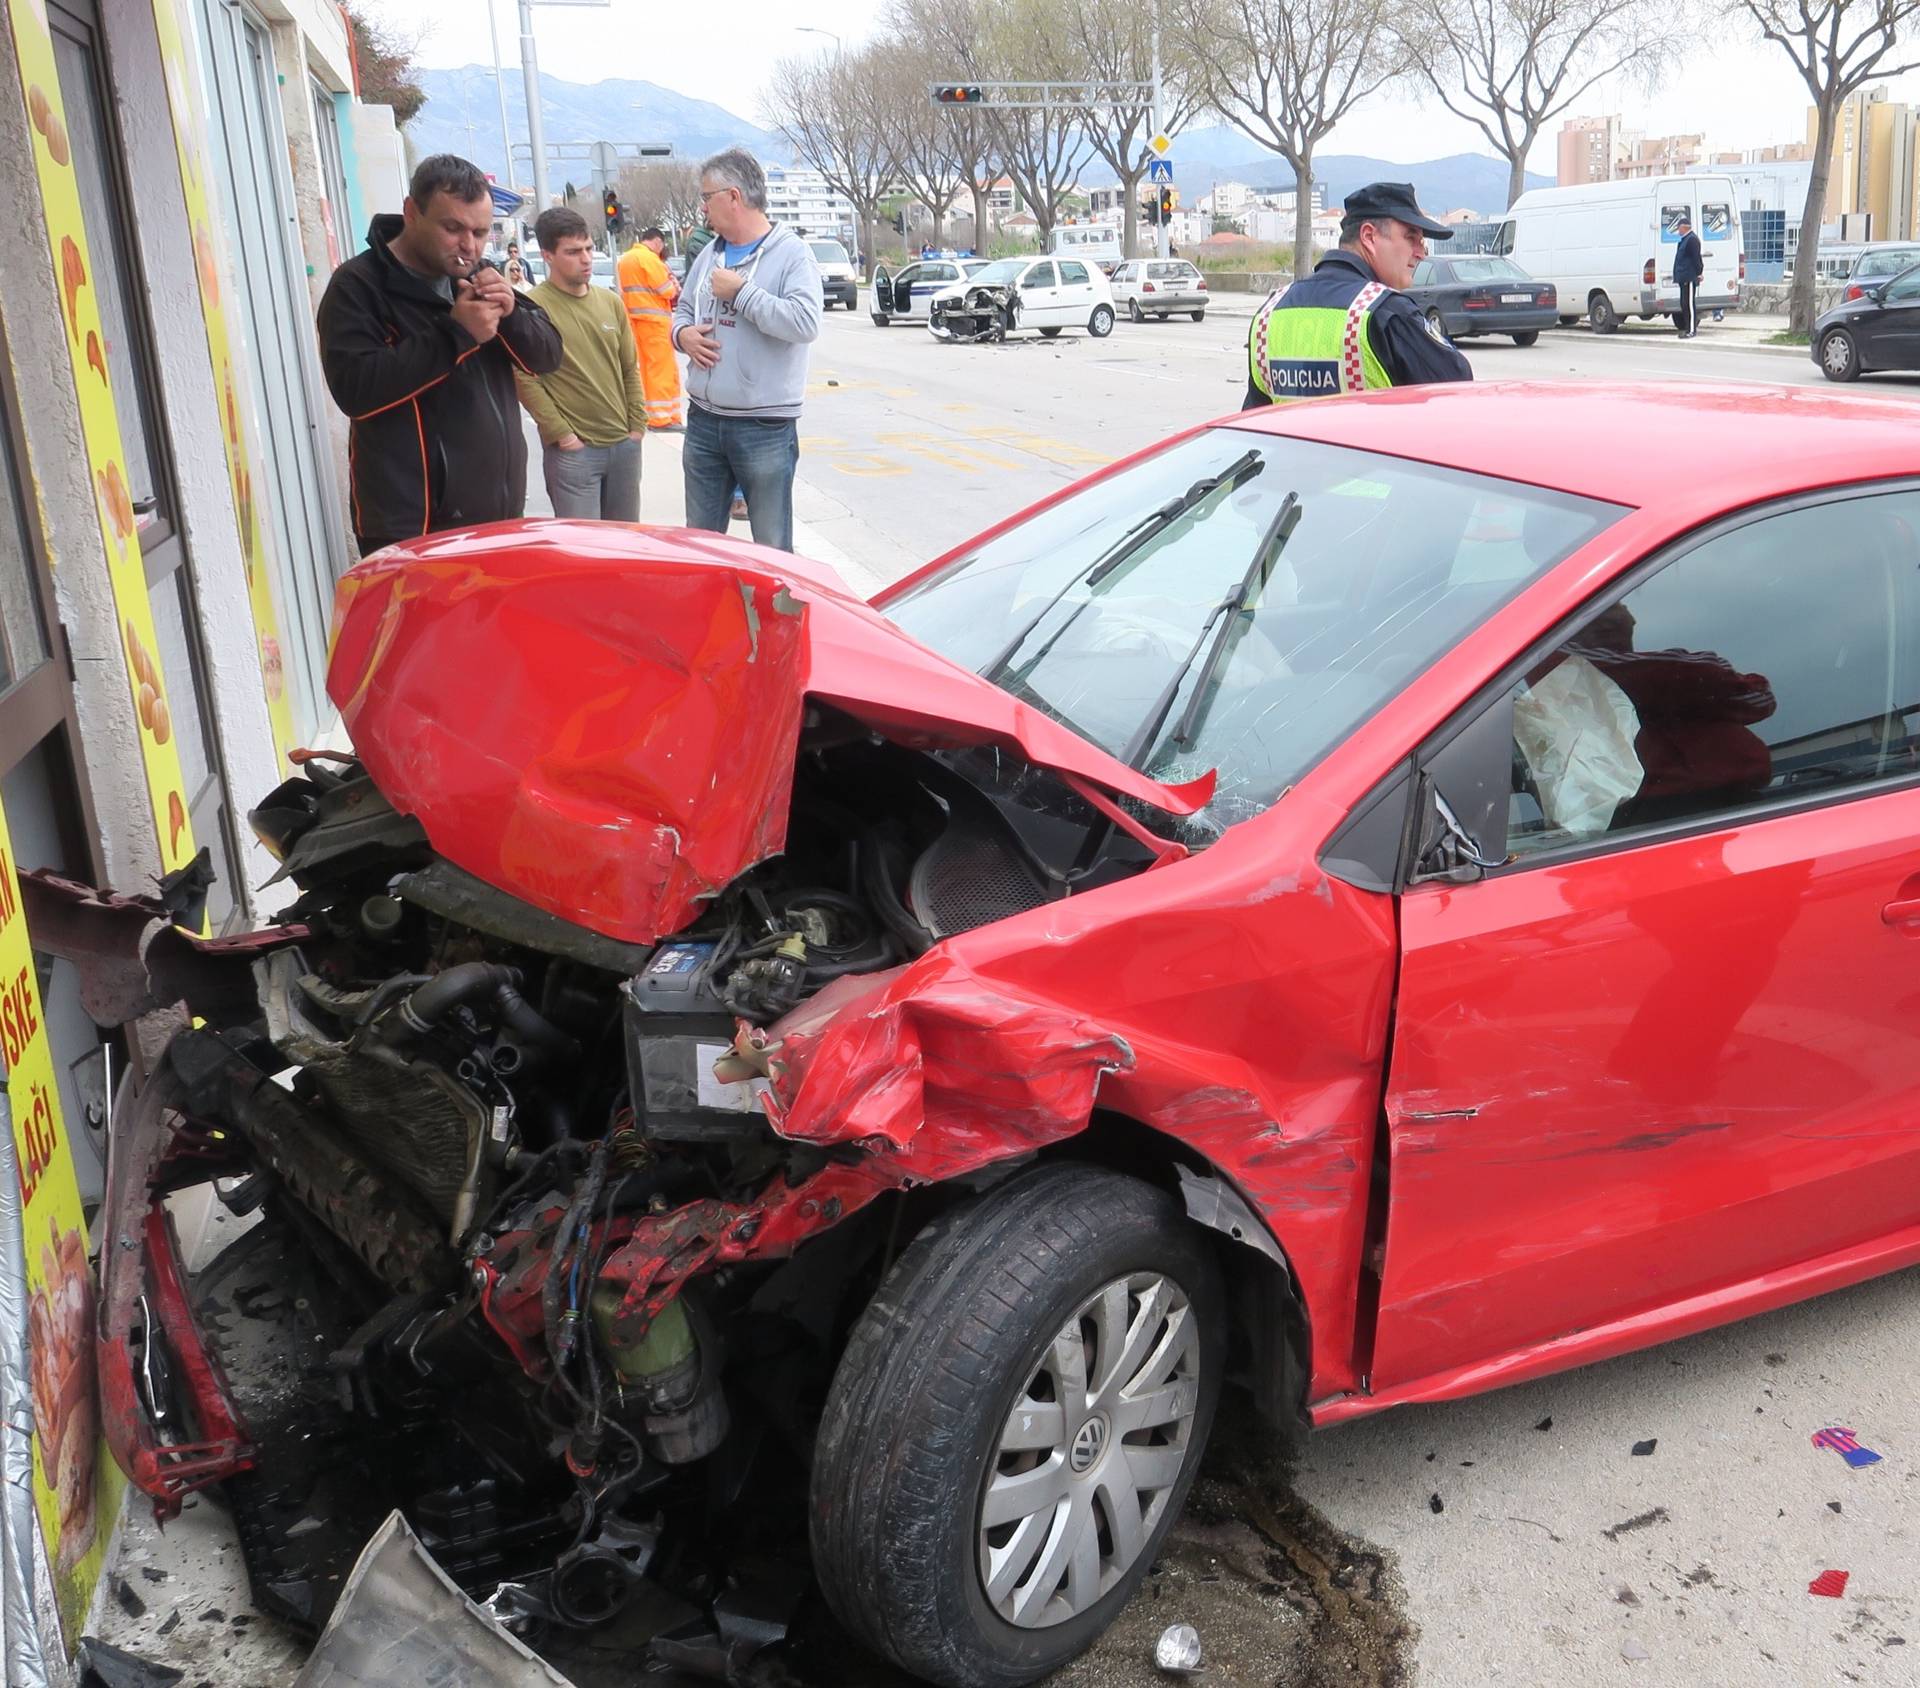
(1040,296)
(1658,1054)
(1121,282)
(1077,292)
(1896,325)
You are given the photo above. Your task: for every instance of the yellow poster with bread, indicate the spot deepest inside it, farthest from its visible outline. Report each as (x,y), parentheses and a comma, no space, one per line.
(76,1485)
(100,426)
(229,377)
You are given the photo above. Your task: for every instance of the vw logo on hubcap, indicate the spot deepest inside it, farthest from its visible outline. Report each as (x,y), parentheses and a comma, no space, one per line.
(1089,1443)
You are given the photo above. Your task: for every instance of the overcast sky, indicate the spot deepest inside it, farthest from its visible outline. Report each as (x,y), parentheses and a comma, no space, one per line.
(1740,95)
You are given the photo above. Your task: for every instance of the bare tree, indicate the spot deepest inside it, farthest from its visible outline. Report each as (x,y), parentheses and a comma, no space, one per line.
(1112,40)
(1837,46)
(1508,66)
(667,194)
(948,32)
(1041,148)
(1284,72)
(922,140)
(833,111)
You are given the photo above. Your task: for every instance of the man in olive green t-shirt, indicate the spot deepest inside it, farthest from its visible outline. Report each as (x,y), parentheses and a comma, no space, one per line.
(592,410)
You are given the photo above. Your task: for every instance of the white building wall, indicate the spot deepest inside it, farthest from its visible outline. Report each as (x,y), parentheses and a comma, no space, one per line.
(803,199)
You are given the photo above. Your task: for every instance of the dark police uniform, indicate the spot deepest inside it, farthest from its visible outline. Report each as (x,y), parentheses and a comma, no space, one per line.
(1340,330)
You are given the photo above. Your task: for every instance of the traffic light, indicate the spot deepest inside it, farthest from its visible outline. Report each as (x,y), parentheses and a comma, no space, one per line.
(961,94)
(614,214)
(1166,203)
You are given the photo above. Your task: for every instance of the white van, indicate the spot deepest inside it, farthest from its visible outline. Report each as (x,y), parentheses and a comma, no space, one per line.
(1096,242)
(1608,246)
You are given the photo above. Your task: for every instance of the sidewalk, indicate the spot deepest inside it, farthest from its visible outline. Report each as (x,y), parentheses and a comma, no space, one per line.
(663,504)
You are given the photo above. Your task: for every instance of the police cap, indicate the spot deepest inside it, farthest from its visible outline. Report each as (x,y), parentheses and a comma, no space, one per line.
(1395,200)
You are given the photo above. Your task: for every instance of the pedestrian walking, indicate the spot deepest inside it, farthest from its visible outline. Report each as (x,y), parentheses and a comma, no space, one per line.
(420,342)
(1348,327)
(592,410)
(745,318)
(649,292)
(1689,265)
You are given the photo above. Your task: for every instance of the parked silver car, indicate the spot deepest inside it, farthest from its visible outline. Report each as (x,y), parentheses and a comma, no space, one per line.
(1158,287)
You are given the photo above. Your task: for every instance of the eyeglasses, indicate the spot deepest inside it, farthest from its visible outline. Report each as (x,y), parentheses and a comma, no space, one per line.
(708,193)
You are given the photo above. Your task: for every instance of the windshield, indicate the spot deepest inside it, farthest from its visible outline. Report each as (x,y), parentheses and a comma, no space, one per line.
(1000,273)
(829,251)
(1887,263)
(1391,563)
(1488,269)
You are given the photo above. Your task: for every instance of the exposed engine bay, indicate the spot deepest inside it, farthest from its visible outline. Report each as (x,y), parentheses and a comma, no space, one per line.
(585,1245)
(985,313)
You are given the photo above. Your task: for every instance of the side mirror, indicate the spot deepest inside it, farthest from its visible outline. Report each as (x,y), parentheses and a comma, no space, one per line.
(1446,850)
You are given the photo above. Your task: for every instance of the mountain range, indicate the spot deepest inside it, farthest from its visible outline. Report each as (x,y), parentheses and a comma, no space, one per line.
(462,115)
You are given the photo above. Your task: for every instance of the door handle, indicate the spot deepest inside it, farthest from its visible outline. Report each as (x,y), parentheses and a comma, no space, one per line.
(1899,913)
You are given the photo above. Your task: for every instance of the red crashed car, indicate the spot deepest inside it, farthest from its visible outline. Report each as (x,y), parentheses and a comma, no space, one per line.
(1376,900)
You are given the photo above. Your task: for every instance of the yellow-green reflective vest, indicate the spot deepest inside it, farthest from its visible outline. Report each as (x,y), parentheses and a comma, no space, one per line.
(1307,351)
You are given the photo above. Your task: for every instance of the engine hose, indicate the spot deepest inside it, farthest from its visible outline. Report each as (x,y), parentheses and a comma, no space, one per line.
(473,981)
(886,901)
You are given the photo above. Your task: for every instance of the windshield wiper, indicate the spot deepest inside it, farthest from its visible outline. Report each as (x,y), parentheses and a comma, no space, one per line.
(1226,613)
(1150,526)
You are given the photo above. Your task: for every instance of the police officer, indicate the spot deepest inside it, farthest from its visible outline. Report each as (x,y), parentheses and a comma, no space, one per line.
(1346,328)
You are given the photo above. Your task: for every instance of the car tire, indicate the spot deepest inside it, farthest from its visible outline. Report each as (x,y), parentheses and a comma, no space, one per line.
(1100,324)
(1568,321)
(881,319)
(1527,337)
(990,1307)
(1601,314)
(1839,355)
(1134,312)
(1050,333)
(1199,316)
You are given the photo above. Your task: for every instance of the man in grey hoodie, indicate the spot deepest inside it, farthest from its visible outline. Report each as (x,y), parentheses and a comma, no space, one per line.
(748,310)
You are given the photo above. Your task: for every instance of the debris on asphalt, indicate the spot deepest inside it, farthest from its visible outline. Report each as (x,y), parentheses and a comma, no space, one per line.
(1833,1506)
(1646,1447)
(128,1601)
(1625,1596)
(1177,1652)
(99,1665)
(1831,1584)
(1631,1649)
(1546,1423)
(1639,1521)
(1843,1442)
(1436,1504)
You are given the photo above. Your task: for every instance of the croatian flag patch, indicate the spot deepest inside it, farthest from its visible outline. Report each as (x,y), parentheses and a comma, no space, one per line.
(1843,1443)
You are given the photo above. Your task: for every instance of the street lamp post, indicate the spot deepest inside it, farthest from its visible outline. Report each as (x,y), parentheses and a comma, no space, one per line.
(536,138)
(500,88)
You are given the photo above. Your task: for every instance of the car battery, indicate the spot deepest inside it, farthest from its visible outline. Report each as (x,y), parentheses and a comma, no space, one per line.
(676,1027)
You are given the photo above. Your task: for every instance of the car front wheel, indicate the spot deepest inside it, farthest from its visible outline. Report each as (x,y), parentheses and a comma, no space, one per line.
(1839,357)
(1100,324)
(1014,1426)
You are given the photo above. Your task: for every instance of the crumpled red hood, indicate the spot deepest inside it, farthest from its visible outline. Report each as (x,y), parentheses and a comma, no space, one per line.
(602,720)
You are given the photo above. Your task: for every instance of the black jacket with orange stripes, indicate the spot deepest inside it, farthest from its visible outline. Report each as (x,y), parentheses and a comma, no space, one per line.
(435,439)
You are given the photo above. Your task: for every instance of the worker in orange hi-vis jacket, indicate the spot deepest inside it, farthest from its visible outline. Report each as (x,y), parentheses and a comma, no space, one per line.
(649,292)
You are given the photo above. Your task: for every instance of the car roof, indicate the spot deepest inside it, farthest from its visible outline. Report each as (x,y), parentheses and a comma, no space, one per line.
(1686,444)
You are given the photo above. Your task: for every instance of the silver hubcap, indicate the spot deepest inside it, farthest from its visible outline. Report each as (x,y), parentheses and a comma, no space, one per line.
(1839,353)
(1090,1453)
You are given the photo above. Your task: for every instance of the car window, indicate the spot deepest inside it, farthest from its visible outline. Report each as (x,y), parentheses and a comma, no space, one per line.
(1123,273)
(1886,263)
(1904,286)
(1170,272)
(1488,269)
(908,276)
(1072,274)
(1391,563)
(1041,275)
(940,272)
(1426,273)
(1778,658)
(829,251)
(1503,241)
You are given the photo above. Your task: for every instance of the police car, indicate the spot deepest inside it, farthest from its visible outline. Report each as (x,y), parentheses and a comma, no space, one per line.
(902,297)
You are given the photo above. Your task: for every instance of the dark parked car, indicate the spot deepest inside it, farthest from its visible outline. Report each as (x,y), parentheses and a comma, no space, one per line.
(1478,293)
(1878,330)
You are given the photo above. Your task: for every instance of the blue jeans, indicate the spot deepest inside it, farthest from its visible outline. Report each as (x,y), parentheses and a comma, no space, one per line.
(758,457)
(599,482)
